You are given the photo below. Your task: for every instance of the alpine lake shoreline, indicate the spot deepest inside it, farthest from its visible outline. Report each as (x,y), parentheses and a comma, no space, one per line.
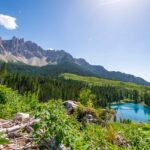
(128,110)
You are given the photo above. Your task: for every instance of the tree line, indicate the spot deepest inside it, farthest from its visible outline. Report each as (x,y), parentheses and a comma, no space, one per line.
(58,88)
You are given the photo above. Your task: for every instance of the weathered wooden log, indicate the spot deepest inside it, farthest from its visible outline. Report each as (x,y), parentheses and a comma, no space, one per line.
(17,127)
(22,117)
(7,122)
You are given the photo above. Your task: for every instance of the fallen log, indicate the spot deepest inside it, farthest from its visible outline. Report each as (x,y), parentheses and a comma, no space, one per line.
(1,124)
(17,127)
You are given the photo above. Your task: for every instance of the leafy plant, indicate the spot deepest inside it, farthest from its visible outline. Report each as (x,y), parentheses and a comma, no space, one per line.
(138,135)
(86,97)
(3,140)
(56,127)
(12,102)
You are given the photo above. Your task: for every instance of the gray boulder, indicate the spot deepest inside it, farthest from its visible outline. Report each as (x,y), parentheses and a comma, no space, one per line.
(70,106)
(89,118)
(62,147)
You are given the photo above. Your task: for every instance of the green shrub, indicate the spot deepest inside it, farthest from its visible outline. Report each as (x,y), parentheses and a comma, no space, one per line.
(81,111)
(138,135)
(86,97)
(56,124)
(95,135)
(12,102)
(3,140)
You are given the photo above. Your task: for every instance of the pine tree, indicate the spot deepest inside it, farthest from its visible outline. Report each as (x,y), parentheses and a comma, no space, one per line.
(3,72)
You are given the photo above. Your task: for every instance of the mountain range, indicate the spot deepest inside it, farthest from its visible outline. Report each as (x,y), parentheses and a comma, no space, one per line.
(27,56)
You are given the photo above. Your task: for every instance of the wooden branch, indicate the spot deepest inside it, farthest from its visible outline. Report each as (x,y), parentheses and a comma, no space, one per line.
(1,124)
(17,127)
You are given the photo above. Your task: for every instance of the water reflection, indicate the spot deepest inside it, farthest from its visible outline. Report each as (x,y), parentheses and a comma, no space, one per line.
(132,111)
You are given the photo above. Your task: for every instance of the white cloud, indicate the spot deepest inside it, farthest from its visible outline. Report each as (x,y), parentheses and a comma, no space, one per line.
(8,22)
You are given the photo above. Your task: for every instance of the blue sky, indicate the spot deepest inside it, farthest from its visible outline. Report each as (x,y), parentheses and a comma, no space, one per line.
(111,33)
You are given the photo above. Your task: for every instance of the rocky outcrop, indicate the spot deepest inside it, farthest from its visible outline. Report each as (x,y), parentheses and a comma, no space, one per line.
(89,118)
(1,41)
(18,50)
(63,147)
(22,117)
(70,106)
(121,142)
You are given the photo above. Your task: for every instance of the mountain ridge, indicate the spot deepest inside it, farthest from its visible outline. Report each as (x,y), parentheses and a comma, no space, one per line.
(29,53)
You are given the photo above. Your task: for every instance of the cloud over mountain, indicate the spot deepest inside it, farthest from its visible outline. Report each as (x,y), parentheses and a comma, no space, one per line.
(8,22)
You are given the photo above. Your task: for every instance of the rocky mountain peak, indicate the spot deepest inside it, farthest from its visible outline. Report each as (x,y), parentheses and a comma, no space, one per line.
(28,52)
(17,43)
(81,61)
(1,40)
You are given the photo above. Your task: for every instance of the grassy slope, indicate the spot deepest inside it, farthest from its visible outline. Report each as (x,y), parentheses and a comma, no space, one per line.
(101,82)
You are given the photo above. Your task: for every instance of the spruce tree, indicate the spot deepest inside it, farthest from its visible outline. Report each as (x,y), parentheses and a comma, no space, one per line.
(3,72)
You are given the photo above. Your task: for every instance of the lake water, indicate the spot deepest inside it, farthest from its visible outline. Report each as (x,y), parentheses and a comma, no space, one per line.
(132,111)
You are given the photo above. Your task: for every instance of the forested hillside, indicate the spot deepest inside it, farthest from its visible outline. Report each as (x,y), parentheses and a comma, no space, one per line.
(68,86)
(101,82)
(117,90)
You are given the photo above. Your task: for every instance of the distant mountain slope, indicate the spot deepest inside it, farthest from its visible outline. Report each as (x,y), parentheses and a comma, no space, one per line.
(48,70)
(53,62)
(105,82)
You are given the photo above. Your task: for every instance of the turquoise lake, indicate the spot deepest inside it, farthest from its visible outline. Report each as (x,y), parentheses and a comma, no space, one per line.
(132,111)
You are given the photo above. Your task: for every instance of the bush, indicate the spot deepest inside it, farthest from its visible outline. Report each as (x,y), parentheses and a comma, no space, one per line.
(3,139)
(86,97)
(57,127)
(12,102)
(81,111)
(137,135)
(95,135)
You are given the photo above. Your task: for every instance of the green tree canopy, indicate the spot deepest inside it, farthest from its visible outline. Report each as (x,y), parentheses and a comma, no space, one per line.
(3,70)
(86,96)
